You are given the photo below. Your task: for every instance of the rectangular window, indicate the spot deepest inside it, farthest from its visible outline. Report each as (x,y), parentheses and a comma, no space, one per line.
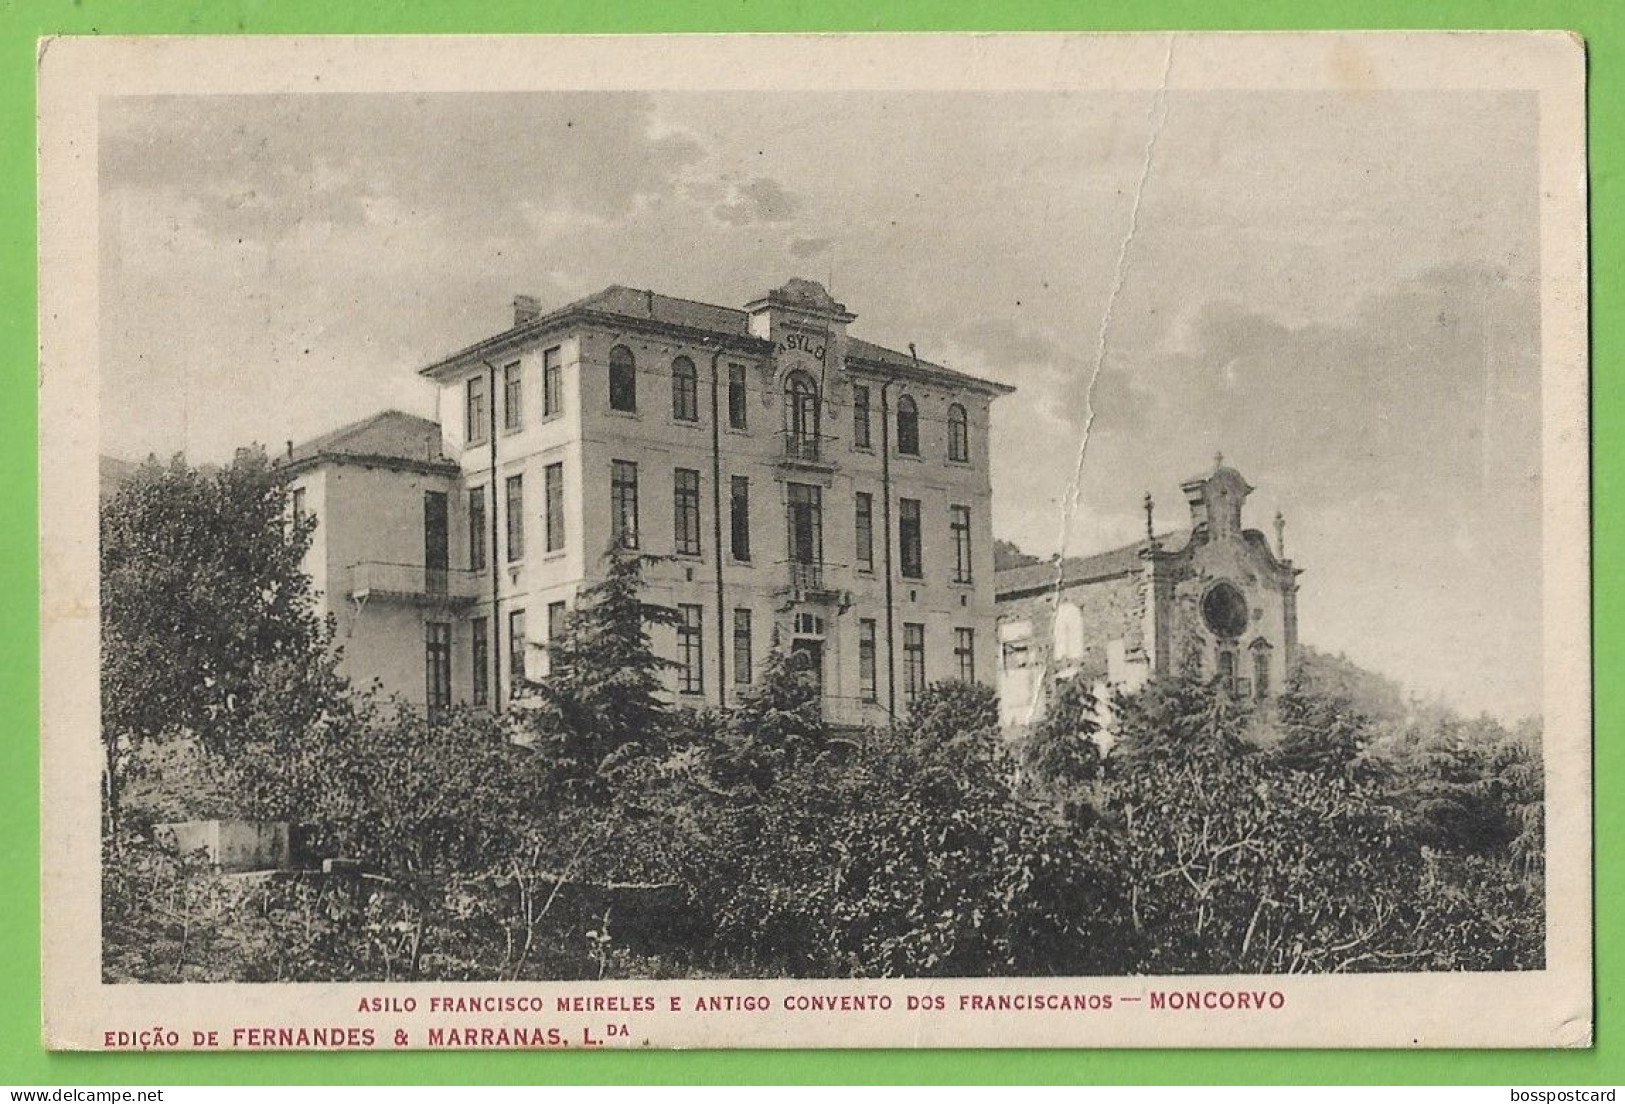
(965,653)
(623,502)
(476,420)
(476,529)
(690,660)
(437,664)
(298,504)
(865,530)
(555,629)
(860,418)
(866,660)
(742,647)
(436,541)
(552,384)
(480,654)
(513,396)
(806,518)
(960,516)
(913,661)
(739,517)
(516,517)
(553,496)
(516,653)
(737,406)
(686,511)
(910,554)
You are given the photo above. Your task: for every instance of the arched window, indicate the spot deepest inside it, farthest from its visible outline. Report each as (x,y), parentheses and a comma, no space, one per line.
(801,416)
(685,390)
(908,426)
(1261,668)
(1068,632)
(958,433)
(623,380)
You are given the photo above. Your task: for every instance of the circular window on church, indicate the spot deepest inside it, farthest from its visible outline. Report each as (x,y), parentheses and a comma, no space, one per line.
(1224,608)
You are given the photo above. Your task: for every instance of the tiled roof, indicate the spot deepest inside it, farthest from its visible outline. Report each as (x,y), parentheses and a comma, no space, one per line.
(868,350)
(390,435)
(1080,569)
(632,303)
(636,304)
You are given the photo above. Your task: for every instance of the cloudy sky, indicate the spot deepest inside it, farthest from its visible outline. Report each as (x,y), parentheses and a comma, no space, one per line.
(1339,291)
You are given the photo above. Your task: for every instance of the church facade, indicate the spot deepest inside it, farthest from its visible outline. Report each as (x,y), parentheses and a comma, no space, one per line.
(1213,600)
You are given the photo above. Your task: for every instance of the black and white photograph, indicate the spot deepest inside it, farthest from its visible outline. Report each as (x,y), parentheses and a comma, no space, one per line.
(1034,541)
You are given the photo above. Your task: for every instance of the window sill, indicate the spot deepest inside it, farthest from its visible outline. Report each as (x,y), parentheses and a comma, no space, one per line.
(683,423)
(912,456)
(738,431)
(734,561)
(631,414)
(513,431)
(555,555)
(959,463)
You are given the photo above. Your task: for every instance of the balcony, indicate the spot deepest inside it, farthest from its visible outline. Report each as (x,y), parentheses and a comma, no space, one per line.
(805,581)
(413,583)
(804,450)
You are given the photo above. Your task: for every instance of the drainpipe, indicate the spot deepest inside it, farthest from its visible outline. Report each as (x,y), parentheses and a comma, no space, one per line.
(885,510)
(716,527)
(491,552)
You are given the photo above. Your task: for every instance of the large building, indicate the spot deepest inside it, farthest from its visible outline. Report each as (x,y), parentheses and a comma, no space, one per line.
(790,484)
(1211,600)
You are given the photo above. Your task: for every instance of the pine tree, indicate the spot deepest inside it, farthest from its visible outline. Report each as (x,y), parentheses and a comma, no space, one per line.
(1060,754)
(777,723)
(601,700)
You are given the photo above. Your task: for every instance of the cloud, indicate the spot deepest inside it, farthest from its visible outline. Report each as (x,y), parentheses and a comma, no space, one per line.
(760,199)
(810,247)
(470,165)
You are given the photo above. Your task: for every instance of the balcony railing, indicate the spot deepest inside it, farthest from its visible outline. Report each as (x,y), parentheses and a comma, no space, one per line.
(811,580)
(413,583)
(805,576)
(803,448)
(851,712)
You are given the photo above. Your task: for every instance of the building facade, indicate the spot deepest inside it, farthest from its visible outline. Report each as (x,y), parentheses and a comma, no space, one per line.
(1213,600)
(790,485)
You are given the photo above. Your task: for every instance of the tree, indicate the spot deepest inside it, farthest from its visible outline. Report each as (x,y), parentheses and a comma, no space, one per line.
(600,701)
(209,627)
(950,714)
(1320,732)
(778,723)
(1061,753)
(1178,717)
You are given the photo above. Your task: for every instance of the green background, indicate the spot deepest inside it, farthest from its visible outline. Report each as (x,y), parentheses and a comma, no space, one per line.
(22,1060)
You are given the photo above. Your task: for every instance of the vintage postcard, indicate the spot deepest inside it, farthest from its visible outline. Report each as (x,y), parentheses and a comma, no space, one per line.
(807,541)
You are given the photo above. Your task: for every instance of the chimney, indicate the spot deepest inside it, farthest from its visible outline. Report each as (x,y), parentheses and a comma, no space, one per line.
(526,308)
